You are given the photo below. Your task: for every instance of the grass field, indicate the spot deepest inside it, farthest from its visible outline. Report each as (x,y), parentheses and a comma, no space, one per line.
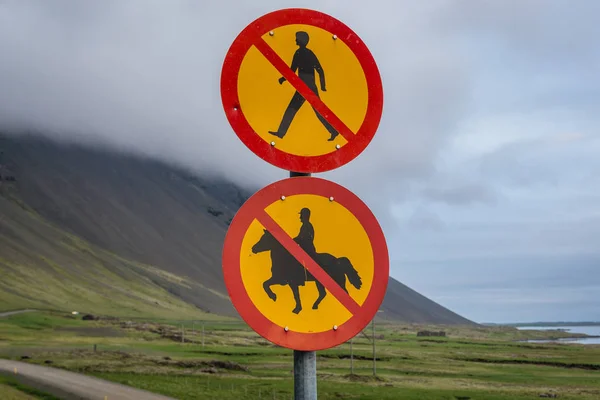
(470,363)
(10,389)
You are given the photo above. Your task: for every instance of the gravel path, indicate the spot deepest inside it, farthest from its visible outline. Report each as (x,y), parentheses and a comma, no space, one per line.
(8,313)
(72,386)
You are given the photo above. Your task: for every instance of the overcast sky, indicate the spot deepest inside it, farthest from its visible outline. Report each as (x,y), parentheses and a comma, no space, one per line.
(487,158)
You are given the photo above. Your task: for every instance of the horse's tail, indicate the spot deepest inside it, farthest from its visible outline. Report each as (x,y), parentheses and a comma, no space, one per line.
(350,272)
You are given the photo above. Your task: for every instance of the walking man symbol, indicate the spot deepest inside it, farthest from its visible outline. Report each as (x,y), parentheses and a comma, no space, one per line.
(306,63)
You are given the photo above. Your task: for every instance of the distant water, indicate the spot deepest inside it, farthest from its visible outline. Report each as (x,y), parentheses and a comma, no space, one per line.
(588,330)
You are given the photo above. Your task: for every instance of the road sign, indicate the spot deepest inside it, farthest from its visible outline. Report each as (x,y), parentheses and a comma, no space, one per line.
(305,263)
(302,90)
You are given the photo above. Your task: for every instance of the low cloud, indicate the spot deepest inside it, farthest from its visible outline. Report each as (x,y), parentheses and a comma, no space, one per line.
(463,194)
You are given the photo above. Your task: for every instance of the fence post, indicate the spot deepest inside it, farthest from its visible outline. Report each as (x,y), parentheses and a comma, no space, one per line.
(351,358)
(374,368)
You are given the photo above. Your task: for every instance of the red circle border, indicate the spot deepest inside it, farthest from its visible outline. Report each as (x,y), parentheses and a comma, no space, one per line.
(231,103)
(232,268)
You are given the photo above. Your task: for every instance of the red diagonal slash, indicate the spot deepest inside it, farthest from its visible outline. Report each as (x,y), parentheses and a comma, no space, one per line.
(304,90)
(308,263)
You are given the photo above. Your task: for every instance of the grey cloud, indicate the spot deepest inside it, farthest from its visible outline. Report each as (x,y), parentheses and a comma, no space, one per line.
(461,194)
(545,31)
(531,54)
(425,220)
(511,288)
(515,272)
(510,305)
(548,160)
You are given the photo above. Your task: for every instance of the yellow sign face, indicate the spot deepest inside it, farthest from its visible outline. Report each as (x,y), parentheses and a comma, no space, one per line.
(279,114)
(342,249)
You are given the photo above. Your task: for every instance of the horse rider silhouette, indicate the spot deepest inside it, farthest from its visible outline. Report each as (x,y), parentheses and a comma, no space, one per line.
(306,236)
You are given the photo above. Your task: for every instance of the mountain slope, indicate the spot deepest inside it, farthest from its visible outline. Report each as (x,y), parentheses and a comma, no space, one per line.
(153,214)
(42,266)
(140,210)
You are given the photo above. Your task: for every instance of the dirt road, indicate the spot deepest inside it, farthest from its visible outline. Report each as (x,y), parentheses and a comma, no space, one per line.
(9,313)
(71,386)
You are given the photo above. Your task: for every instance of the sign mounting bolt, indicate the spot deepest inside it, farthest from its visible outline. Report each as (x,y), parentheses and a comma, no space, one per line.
(271,33)
(286,329)
(331,198)
(337,146)
(334,37)
(272,143)
(282,197)
(335,327)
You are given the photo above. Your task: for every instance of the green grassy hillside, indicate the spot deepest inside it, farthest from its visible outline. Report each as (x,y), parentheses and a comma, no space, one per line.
(45,267)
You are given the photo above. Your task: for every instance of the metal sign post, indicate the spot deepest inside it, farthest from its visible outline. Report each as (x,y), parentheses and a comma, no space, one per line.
(305,362)
(305,375)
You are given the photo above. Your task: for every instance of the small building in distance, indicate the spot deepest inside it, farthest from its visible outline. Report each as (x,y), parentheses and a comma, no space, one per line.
(431,333)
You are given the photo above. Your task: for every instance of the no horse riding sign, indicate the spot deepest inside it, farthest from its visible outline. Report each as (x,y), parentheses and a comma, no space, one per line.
(305,263)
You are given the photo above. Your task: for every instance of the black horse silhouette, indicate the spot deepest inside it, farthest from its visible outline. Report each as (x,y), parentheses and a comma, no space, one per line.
(286,270)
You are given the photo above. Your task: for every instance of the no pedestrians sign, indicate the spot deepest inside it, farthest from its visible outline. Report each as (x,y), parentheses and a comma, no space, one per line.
(302,90)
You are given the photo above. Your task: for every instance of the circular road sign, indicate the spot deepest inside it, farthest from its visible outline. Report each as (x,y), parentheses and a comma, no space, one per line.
(306,263)
(302,90)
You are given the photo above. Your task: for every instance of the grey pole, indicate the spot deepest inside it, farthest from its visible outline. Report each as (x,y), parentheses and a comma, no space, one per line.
(305,362)
(305,375)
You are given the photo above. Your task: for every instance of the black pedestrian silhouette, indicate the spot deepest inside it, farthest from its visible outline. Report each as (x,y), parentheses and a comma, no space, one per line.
(306,63)
(287,270)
